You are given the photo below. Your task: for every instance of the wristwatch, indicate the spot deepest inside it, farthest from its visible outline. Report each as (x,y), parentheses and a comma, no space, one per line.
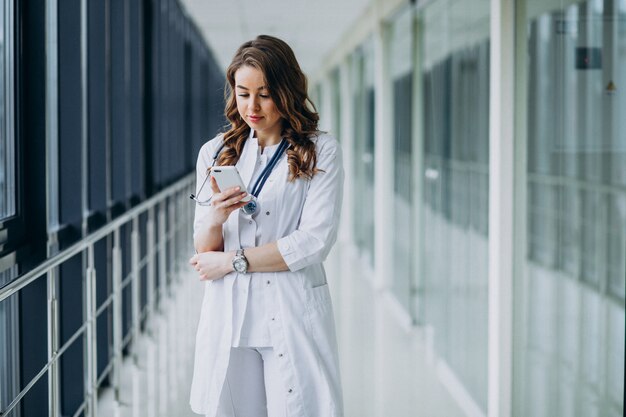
(240,262)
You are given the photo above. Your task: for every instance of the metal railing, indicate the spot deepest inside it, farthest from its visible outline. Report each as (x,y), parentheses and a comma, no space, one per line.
(168,235)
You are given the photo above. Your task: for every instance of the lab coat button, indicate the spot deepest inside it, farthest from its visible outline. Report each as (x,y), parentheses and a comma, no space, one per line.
(290,390)
(250,222)
(280,355)
(267,213)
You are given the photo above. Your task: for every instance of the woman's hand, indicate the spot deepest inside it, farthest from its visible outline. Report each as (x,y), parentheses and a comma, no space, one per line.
(224,203)
(212,265)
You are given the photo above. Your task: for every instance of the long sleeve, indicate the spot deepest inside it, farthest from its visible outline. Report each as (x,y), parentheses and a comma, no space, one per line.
(205,159)
(311,242)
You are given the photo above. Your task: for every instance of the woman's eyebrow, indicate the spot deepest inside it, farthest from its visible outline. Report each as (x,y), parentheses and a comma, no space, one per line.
(246,88)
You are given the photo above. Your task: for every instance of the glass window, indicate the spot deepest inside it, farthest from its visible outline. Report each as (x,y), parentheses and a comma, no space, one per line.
(9,356)
(9,336)
(363,106)
(7,152)
(401,69)
(573,356)
(455,208)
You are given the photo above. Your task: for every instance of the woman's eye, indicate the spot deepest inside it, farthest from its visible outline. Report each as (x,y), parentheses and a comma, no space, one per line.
(264,96)
(243,95)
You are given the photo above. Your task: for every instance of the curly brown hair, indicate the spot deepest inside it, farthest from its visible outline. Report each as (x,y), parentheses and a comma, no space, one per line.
(287,86)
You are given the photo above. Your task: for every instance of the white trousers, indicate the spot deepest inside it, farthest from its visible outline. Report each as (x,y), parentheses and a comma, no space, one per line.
(253,387)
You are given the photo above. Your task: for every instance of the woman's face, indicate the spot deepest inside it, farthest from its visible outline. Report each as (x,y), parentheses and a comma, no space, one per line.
(255,105)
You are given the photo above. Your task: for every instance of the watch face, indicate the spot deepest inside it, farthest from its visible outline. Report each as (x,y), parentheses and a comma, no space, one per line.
(240,265)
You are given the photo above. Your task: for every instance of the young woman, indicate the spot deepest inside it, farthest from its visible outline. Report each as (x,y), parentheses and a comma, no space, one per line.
(266,343)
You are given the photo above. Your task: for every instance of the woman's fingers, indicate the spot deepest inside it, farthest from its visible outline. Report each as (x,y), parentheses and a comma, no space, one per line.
(214,186)
(234,200)
(227,194)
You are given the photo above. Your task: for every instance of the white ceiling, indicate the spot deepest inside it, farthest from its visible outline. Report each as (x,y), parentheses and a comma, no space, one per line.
(311,28)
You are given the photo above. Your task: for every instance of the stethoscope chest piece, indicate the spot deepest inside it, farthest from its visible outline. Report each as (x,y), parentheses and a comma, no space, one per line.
(251,207)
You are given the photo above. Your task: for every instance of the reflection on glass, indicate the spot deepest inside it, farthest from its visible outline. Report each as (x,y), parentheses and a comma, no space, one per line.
(363,104)
(573,350)
(454,274)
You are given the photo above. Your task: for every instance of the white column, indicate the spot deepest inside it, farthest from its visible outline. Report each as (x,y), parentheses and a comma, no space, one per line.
(501,199)
(383,159)
(383,197)
(417,133)
(521,225)
(347,145)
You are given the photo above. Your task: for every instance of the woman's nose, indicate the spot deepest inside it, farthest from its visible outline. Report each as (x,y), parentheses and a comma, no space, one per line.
(254,104)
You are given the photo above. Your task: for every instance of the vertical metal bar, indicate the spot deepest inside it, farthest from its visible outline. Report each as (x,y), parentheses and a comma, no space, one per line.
(117,314)
(162,349)
(134,249)
(52,112)
(136,317)
(84,116)
(107,108)
(127,114)
(53,344)
(52,195)
(150,263)
(162,253)
(90,356)
(171,211)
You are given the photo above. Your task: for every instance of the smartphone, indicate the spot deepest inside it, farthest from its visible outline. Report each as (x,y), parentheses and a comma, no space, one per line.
(227,177)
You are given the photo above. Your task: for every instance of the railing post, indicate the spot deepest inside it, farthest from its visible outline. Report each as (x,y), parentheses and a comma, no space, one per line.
(136,316)
(150,263)
(136,302)
(91,356)
(172,235)
(53,344)
(117,314)
(162,256)
(151,342)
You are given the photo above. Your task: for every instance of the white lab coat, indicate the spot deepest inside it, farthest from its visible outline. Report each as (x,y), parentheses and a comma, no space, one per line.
(303,219)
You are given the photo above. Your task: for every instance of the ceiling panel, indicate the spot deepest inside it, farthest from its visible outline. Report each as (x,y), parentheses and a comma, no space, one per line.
(312,29)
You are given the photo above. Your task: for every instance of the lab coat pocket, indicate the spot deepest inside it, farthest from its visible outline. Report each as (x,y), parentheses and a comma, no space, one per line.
(318,297)
(322,329)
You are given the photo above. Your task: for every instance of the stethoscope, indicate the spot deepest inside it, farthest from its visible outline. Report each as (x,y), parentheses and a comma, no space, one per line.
(252,206)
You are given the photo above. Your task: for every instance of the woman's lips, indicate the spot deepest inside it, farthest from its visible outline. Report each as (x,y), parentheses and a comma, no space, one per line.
(255,118)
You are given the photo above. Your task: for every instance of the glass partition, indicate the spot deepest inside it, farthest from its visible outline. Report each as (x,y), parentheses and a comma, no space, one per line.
(572,350)
(455,207)
(362,91)
(401,69)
